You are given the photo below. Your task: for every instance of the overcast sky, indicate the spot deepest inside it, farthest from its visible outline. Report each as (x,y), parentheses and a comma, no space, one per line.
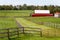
(30,2)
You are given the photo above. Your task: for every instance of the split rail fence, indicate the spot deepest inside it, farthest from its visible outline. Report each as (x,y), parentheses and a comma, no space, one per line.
(9,32)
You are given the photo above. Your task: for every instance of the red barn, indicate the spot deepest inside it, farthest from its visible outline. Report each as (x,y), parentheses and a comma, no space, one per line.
(38,13)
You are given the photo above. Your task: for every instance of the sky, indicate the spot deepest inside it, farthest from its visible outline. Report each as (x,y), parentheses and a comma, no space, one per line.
(30,2)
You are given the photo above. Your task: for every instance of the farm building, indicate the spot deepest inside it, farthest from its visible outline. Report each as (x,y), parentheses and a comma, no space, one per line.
(38,13)
(57,14)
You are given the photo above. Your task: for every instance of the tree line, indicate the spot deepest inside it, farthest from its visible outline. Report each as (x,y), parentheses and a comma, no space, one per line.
(52,8)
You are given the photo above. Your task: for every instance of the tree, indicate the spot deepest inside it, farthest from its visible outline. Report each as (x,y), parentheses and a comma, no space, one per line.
(57,9)
(15,8)
(24,7)
(45,7)
(37,7)
(41,7)
(20,7)
(33,7)
(29,8)
(51,8)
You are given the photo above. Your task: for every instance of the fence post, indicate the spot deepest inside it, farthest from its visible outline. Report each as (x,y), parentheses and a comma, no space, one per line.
(41,32)
(23,30)
(55,29)
(18,32)
(8,34)
(54,25)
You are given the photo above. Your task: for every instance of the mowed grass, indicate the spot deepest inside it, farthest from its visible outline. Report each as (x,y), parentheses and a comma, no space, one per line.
(32,37)
(15,12)
(44,19)
(26,23)
(48,32)
(7,23)
(45,30)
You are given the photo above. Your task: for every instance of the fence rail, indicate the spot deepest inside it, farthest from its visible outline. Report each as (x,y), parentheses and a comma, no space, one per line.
(50,24)
(17,31)
(10,32)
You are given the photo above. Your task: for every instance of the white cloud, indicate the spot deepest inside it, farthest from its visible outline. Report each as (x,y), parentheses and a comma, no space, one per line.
(30,2)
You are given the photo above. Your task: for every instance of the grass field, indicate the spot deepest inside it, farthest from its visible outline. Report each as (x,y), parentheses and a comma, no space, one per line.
(32,37)
(27,22)
(15,12)
(45,29)
(7,23)
(47,21)
(44,19)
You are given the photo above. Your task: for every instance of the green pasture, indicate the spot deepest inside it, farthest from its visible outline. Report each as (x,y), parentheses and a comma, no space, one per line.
(45,29)
(15,12)
(47,21)
(29,22)
(26,23)
(32,37)
(7,23)
(43,19)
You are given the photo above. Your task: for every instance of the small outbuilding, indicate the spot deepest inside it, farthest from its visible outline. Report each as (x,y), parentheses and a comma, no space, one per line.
(57,14)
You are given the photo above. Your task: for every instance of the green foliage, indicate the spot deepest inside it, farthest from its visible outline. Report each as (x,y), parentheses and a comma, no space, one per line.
(52,8)
(57,9)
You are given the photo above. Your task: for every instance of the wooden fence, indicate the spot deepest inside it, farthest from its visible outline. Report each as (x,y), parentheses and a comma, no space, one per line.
(16,32)
(50,24)
(9,32)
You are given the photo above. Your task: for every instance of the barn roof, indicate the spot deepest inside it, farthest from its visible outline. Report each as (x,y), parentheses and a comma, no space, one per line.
(41,11)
